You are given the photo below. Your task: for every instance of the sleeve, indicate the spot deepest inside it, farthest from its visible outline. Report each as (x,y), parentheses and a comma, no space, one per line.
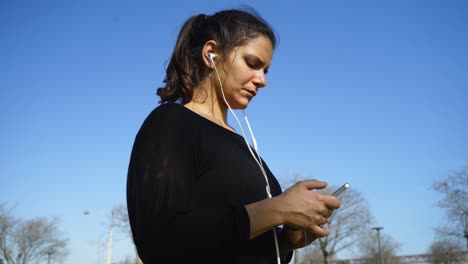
(161,175)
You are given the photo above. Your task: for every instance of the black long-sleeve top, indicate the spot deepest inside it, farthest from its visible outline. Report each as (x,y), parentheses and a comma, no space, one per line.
(188,182)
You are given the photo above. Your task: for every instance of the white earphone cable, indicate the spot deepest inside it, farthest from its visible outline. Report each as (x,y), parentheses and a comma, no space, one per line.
(256,157)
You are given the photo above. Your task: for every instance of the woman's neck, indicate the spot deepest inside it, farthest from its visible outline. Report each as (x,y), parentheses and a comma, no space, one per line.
(205,103)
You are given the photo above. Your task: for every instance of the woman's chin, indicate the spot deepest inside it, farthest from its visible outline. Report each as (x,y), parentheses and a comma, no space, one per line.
(241,103)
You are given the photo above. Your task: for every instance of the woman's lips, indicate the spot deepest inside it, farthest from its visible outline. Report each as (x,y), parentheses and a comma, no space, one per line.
(251,92)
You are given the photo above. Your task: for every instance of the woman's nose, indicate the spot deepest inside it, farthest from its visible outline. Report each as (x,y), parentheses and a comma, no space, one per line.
(260,79)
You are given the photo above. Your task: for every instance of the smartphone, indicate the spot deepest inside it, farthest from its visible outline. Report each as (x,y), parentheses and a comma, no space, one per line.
(340,190)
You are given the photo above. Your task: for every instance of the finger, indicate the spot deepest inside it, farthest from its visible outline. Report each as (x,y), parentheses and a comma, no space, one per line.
(332,202)
(314,184)
(320,220)
(319,231)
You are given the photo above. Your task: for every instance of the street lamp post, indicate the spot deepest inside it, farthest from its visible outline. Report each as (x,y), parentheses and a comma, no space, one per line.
(48,256)
(378,241)
(111,232)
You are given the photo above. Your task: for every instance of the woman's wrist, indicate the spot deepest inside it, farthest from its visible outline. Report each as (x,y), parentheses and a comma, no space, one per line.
(263,216)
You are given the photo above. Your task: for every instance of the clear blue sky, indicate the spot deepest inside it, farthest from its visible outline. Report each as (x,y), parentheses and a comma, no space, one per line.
(374,93)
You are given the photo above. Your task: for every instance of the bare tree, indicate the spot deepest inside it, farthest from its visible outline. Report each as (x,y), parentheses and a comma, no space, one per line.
(121,221)
(446,252)
(370,251)
(127,260)
(308,255)
(120,215)
(29,241)
(346,225)
(454,189)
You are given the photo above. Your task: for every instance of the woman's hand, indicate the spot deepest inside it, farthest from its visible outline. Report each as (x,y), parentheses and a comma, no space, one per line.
(305,210)
(291,239)
(298,208)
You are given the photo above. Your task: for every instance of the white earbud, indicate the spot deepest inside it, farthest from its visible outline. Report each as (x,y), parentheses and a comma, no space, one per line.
(211,56)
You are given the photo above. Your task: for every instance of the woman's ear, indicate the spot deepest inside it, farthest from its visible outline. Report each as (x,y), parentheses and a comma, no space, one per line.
(209,54)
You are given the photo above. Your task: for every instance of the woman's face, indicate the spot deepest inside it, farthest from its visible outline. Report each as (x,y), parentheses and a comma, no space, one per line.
(243,72)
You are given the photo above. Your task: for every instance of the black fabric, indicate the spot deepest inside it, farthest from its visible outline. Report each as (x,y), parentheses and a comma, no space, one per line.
(188,181)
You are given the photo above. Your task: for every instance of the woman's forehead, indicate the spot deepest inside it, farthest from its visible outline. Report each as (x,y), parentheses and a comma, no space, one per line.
(260,47)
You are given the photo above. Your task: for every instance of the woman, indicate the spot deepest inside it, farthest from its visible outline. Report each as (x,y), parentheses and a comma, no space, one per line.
(196,190)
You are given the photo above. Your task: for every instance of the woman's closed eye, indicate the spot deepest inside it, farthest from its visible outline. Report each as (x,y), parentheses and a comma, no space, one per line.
(255,63)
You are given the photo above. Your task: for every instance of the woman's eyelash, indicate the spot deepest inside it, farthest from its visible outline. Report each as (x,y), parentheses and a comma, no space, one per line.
(255,63)
(252,63)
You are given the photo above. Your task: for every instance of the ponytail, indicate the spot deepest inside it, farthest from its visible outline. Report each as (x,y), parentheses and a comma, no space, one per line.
(181,73)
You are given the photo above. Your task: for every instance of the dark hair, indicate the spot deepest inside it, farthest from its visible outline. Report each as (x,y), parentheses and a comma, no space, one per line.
(229,28)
